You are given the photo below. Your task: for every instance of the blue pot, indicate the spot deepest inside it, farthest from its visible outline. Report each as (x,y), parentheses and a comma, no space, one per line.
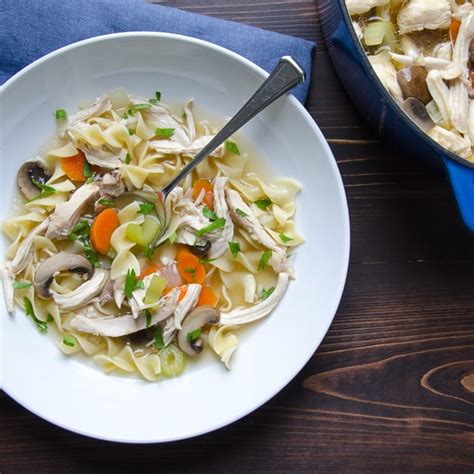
(382,112)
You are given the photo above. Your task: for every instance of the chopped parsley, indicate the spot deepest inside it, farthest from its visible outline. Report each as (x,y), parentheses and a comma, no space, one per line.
(45,190)
(148,318)
(146,208)
(164,132)
(191,270)
(82,231)
(131,132)
(138,107)
(172,238)
(241,213)
(207,260)
(87,170)
(159,343)
(285,239)
(264,259)
(193,335)
(156,99)
(41,325)
(232,147)
(132,283)
(127,158)
(21,285)
(149,251)
(60,114)
(69,340)
(266,293)
(217,224)
(125,116)
(234,248)
(263,203)
(211,215)
(107,202)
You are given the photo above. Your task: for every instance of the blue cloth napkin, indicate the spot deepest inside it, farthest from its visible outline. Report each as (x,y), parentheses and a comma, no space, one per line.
(30,29)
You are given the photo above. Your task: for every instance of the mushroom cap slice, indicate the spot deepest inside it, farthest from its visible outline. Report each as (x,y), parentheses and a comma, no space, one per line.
(195,320)
(29,171)
(61,262)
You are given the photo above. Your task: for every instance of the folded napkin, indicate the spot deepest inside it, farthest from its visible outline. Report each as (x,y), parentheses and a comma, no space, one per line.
(32,28)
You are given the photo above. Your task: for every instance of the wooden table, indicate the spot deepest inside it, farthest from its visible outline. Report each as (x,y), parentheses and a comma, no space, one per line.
(392,385)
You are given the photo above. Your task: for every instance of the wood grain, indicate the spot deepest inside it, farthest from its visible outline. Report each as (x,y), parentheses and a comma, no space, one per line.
(392,385)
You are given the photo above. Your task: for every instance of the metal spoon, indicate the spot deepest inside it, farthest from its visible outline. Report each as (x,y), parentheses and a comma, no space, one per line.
(286,75)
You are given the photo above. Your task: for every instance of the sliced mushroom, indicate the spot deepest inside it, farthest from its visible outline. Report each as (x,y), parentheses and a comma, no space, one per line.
(194,321)
(412,82)
(30,172)
(200,248)
(416,110)
(61,262)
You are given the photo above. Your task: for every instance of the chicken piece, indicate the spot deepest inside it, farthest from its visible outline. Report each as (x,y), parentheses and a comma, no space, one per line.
(127,324)
(452,141)
(104,159)
(387,74)
(418,15)
(176,148)
(357,7)
(220,245)
(244,216)
(84,293)
(99,107)
(440,93)
(67,213)
(461,53)
(7,282)
(240,316)
(112,184)
(459,106)
(24,252)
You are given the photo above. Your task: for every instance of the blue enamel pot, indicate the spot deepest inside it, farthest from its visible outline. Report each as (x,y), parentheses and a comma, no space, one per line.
(382,112)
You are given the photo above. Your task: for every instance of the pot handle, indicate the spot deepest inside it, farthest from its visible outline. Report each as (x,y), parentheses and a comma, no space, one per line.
(462,182)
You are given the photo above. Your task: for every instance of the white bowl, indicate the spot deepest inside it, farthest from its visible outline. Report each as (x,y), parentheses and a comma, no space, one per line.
(77,395)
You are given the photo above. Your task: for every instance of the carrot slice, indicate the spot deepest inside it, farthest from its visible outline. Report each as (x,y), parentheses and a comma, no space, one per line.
(208,199)
(182,291)
(454,29)
(189,267)
(152,268)
(102,229)
(73,166)
(207,297)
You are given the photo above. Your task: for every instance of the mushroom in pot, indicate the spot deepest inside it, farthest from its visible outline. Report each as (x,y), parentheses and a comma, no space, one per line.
(29,173)
(416,110)
(189,340)
(412,81)
(60,262)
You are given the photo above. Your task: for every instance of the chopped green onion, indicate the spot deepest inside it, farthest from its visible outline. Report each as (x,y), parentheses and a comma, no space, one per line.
(138,107)
(232,147)
(172,361)
(69,340)
(146,208)
(207,260)
(264,259)
(211,215)
(263,203)
(131,283)
(241,213)
(91,255)
(87,169)
(147,318)
(125,116)
(164,132)
(172,238)
(285,239)
(81,229)
(149,251)
(41,325)
(266,293)
(107,202)
(128,159)
(21,285)
(60,114)
(45,190)
(218,224)
(234,248)
(131,132)
(157,98)
(89,179)
(49,319)
(159,343)
(193,335)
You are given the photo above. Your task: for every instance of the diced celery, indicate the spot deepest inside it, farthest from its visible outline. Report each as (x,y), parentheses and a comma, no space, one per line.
(380,32)
(155,289)
(433,112)
(172,361)
(143,234)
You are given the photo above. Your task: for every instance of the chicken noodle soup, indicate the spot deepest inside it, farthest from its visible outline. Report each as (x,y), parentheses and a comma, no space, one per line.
(89,256)
(423,53)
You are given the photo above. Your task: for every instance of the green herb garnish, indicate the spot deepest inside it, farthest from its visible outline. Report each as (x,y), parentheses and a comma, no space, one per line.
(193,335)
(241,213)
(45,190)
(211,215)
(148,318)
(285,239)
(191,270)
(138,107)
(207,260)
(107,202)
(21,285)
(82,231)
(264,259)
(164,132)
(69,340)
(132,283)
(49,319)
(217,224)
(41,325)
(156,99)
(125,116)
(131,132)
(149,251)
(232,147)
(128,159)
(263,203)
(60,114)
(91,255)
(234,248)
(266,293)
(172,238)
(159,343)
(146,208)
(87,170)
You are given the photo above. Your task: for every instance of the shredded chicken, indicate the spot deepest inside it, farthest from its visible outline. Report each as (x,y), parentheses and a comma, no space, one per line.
(387,73)
(104,159)
(418,15)
(99,107)
(112,184)
(452,141)
(7,282)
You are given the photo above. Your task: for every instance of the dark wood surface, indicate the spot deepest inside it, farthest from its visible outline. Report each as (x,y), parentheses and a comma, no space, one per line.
(392,385)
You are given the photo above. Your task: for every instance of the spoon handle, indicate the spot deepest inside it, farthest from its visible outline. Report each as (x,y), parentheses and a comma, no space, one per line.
(286,75)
